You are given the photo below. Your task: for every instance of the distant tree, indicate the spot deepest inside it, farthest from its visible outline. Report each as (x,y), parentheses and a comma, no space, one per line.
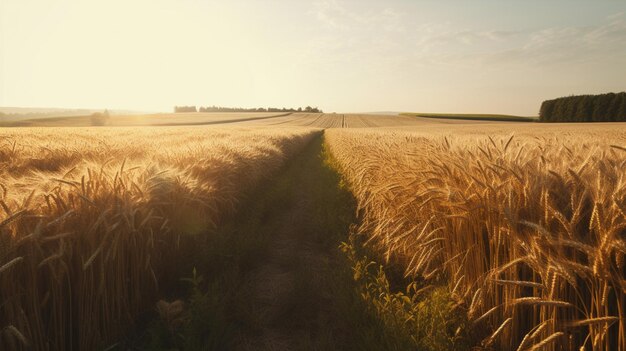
(561,109)
(179,109)
(601,106)
(567,109)
(614,107)
(620,115)
(546,110)
(585,108)
(214,108)
(100,118)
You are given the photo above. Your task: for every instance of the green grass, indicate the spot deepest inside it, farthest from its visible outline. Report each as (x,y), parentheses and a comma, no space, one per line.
(415,316)
(473,117)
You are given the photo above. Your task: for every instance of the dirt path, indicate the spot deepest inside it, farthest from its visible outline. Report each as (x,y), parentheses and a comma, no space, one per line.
(274,278)
(292,301)
(283,317)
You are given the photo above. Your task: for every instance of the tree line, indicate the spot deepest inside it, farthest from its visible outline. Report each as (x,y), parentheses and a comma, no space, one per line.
(609,107)
(309,109)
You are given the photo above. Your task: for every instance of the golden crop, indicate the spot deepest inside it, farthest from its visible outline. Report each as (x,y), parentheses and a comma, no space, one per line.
(89,218)
(332,120)
(528,230)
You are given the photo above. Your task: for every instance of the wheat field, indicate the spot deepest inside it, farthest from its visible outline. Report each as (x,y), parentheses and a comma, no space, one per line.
(527,229)
(135,120)
(91,217)
(524,225)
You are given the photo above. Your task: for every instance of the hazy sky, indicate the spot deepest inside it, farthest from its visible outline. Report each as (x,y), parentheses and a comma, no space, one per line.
(347,56)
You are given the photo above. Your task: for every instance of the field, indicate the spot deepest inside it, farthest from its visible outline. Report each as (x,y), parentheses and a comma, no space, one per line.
(526,229)
(330,120)
(317,120)
(312,231)
(91,219)
(159,119)
(476,117)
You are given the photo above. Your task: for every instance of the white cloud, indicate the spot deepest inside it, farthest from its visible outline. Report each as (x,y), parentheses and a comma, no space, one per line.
(336,15)
(350,34)
(441,43)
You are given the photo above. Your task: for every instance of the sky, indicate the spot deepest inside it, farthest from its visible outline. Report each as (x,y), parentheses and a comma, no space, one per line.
(478,56)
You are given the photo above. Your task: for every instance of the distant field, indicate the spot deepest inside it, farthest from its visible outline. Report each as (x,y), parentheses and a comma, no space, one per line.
(157,119)
(337,120)
(356,120)
(17,114)
(473,117)
(316,120)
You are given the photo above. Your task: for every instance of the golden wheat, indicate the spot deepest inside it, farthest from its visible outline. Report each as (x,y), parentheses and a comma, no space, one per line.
(90,219)
(534,220)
